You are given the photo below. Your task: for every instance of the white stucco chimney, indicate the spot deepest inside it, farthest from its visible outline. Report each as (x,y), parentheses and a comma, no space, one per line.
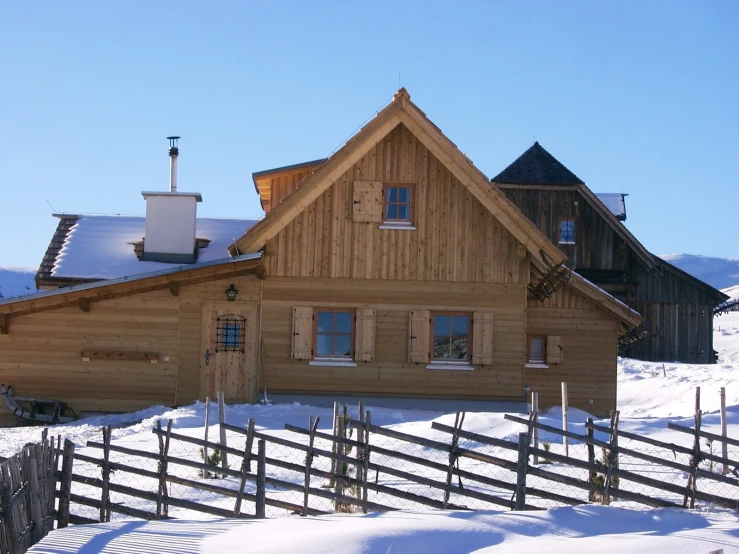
(170,220)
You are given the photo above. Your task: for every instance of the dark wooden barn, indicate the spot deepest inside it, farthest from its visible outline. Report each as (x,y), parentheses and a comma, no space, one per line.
(677,308)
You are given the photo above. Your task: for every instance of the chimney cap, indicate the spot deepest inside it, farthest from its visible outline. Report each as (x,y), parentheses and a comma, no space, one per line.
(173,145)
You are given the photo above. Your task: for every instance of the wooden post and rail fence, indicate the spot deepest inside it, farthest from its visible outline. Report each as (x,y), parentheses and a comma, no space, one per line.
(377,469)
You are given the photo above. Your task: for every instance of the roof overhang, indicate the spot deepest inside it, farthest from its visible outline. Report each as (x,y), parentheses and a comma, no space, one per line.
(124,286)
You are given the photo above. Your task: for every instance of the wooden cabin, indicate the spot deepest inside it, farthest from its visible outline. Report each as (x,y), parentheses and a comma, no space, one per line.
(588,228)
(392,268)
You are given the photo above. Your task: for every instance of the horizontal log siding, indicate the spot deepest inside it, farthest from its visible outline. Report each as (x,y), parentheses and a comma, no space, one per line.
(390,373)
(191,302)
(590,343)
(41,355)
(456,238)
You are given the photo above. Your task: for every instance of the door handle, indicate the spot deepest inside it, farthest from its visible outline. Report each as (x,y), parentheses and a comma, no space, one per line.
(207,356)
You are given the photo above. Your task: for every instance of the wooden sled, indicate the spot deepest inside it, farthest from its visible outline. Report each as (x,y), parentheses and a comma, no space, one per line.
(37,409)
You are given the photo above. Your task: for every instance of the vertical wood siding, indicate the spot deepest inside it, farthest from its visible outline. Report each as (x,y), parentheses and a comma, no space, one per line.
(456,238)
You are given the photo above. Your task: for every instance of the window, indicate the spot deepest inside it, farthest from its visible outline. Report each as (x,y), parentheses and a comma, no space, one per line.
(566,230)
(333,334)
(537,354)
(398,203)
(230,333)
(451,337)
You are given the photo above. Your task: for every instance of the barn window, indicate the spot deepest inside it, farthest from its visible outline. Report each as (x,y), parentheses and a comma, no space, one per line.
(451,337)
(333,334)
(398,203)
(566,230)
(230,333)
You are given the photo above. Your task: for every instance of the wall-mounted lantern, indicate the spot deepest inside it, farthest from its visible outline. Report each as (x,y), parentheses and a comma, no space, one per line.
(231,293)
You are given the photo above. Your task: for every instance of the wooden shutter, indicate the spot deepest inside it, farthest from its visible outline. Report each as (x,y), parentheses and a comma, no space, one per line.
(482,338)
(302,343)
(418,336)
(367,201)
(555,350)
(364,342)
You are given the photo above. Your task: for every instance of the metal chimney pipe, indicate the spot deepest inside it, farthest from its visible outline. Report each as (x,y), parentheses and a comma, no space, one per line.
(174,151)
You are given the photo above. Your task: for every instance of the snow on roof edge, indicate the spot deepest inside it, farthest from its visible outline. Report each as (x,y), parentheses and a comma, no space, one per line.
(129,279)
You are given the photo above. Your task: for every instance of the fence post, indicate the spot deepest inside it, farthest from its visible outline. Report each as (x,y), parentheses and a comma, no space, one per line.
(312,425)
(360,440)
(592,474)
(565,405)
(206,473)
(725,470)
(341,466)
(162,494)
(104,497)
(523,460)
(65,485)
(245,465)
(695,459)
(611,459)
(6,502)
(458,421)
(334,432)
(365,469)
(221,421)
(535,430)
(261,479)
(34,496)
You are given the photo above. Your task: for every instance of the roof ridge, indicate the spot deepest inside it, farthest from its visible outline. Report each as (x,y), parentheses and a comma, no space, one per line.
(536,166)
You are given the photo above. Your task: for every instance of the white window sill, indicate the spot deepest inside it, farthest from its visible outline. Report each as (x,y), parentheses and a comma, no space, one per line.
(531,365)
(333,362)
(450,366)
(398,226)
(567,243)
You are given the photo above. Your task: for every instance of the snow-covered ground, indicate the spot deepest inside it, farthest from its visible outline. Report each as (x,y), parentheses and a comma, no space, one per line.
(650,395)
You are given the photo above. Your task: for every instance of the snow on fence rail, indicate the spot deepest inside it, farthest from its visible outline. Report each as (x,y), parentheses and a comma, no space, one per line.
(305,471)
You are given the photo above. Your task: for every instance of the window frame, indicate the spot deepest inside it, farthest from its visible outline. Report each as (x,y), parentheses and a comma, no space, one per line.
(530,362)
(224,340)
(407,223)
(574,230)
(334,357)
(450,363)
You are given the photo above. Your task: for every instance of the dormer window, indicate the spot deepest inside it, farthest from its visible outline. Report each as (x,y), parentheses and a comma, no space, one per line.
(566,230)
(398,209)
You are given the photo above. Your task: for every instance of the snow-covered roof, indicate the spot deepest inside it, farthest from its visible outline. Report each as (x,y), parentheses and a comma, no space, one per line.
(101,247)
(615,203)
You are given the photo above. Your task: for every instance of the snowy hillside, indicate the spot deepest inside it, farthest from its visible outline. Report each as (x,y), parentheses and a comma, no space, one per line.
(16,281)
(717,272)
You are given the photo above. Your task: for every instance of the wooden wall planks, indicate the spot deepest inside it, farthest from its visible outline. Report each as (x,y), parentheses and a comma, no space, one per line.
(455,239)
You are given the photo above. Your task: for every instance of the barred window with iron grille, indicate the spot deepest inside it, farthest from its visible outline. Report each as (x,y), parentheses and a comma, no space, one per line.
(230,333)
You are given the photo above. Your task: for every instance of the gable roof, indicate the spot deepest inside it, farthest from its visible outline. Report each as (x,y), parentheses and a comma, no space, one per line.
(536,166)
(85,248)
(402,111)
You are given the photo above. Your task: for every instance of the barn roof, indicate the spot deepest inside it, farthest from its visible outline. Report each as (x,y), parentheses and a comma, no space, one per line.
(91,247)
(536,166)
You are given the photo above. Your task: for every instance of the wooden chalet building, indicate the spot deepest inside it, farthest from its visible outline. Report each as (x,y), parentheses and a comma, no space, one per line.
(677,308)
(392,268)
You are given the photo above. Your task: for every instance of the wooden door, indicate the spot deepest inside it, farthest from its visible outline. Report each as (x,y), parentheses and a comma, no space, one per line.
(229,351)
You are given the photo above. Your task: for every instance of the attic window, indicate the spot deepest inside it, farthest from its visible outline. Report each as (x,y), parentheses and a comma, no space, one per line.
(566,230)
(398,203)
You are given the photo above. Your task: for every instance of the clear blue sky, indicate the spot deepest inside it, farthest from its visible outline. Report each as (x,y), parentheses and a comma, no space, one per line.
(633,96)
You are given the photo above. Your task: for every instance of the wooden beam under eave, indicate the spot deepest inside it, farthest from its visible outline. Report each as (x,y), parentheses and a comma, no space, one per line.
(260,272)
(4,324)
(174,288)
(84,304)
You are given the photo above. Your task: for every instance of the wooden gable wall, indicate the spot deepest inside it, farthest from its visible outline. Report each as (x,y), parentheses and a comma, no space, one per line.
(456,238)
